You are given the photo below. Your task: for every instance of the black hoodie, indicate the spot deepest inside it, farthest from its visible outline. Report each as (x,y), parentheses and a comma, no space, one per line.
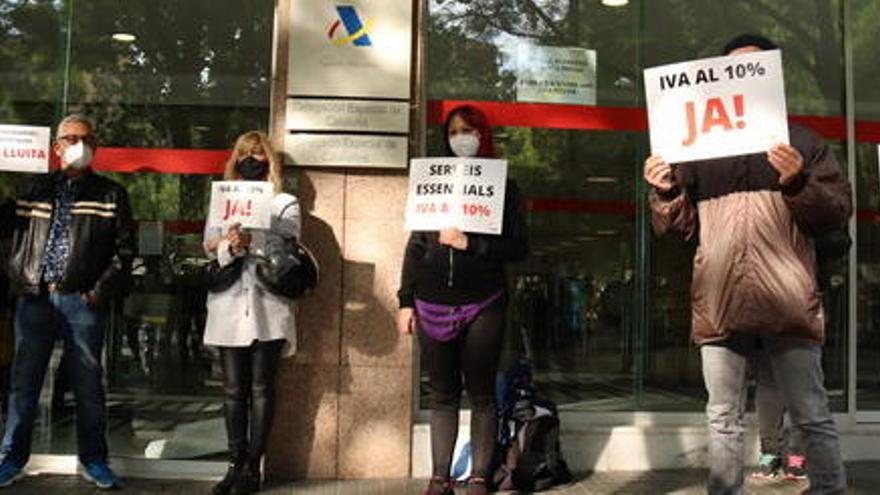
(443,275)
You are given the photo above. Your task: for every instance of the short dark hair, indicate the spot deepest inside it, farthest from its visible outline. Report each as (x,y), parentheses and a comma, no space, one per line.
(749,40)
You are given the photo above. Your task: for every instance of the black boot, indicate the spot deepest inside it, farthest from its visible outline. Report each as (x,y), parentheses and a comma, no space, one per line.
(232,473)
(236,413)
(248,479)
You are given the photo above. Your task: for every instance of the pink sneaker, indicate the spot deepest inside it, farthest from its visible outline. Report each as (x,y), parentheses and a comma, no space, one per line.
(795,468)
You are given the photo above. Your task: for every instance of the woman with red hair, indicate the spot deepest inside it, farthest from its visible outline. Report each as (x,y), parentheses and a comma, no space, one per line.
(453,294)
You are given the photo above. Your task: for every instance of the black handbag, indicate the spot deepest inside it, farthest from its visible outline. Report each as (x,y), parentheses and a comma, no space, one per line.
(220,278)
(290,272)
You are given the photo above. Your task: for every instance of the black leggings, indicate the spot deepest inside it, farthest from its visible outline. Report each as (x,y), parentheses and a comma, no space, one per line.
(249,390)
(473,356)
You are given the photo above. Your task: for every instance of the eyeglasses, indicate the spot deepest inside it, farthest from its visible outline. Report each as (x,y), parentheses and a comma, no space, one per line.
(73,139)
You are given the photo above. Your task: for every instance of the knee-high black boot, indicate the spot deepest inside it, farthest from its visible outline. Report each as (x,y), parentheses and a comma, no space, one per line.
(264,365)
(236,380)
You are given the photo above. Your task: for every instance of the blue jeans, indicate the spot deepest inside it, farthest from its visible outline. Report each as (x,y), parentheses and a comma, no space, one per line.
(797,369)
(39,321)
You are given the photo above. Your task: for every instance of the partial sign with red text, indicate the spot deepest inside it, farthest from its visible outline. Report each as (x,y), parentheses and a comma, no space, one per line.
(467,193)
(246,202)
(24,148)
(716,107)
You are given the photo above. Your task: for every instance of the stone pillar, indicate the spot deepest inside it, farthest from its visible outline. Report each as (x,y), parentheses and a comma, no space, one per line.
(345,401)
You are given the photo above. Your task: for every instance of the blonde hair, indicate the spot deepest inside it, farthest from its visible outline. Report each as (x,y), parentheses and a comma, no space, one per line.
(249,143)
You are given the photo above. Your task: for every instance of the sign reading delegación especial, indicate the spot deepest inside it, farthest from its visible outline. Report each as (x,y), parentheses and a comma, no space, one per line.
(348,83)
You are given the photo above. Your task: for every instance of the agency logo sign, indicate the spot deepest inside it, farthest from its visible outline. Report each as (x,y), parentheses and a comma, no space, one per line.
(358,30)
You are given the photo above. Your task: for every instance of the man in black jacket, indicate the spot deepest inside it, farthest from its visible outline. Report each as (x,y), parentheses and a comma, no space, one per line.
(70,252)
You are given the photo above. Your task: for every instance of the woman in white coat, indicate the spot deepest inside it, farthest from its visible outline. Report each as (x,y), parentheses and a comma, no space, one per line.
(251,327)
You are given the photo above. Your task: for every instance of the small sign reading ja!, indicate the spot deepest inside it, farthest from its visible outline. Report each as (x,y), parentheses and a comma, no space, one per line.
(246,202)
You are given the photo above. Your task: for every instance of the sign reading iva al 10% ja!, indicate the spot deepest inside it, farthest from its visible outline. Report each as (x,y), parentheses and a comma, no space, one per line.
(716,107)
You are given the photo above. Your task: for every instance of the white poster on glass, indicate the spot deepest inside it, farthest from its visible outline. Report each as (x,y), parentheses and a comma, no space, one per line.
(716,107)
(555,74)
(150,238)
(24,148)
(467,193)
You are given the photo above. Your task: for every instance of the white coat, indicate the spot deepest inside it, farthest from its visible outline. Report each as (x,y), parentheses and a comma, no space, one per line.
(247,312)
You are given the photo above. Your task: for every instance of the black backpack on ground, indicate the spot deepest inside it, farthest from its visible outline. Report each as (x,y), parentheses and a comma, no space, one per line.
(528,452)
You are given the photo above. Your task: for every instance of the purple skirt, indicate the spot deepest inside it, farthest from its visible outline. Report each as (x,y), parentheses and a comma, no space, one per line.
(444,322)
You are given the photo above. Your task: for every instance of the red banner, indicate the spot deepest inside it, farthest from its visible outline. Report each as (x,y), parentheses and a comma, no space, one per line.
(167,161)
(537,115)
(552,116)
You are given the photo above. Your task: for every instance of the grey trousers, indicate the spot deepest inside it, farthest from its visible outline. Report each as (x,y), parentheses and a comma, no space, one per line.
(797,368)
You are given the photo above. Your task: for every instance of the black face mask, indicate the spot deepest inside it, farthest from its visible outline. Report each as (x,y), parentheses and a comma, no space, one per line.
(252,169)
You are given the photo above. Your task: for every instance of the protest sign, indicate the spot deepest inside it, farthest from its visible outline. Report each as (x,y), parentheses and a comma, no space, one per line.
(467,193)
(246,202)
(716,107)
(24,148)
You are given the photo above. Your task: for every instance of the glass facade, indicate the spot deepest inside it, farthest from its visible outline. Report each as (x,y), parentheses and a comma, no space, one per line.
(601,305)
(190,75)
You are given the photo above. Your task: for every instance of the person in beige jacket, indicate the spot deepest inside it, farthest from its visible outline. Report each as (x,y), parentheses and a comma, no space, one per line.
(754,287)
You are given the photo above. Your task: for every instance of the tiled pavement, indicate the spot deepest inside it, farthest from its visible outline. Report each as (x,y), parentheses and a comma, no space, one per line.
(864,479)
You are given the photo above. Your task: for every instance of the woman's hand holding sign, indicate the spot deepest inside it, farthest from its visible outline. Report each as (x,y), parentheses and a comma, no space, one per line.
(453,238)
(787,160)
(658,173)
(238,241)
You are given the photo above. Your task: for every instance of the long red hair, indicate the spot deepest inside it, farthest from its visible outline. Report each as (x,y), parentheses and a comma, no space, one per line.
(475,118)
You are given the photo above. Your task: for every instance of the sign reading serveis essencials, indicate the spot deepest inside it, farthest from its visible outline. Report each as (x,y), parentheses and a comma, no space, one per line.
(24,148)
(467,193)
(716,107)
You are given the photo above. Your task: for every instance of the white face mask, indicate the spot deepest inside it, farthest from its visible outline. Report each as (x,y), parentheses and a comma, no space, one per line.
(465,145)
(78,156)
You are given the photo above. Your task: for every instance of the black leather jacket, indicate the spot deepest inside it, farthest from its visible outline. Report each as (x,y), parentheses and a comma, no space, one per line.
(101,237)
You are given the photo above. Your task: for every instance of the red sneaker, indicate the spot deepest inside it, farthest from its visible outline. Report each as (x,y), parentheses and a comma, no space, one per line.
(477,486)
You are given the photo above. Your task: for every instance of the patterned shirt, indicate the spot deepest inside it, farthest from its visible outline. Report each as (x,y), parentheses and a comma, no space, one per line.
(58,245)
